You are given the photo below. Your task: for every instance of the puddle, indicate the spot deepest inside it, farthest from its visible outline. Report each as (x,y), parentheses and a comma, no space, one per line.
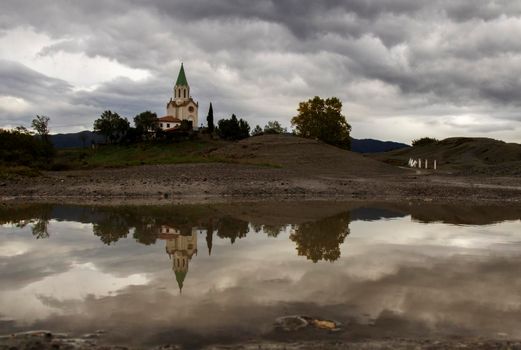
(196,275)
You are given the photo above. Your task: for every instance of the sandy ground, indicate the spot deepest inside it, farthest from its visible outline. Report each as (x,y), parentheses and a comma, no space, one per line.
(203,182)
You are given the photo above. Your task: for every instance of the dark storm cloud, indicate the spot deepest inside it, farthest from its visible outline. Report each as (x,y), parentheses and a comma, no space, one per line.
(259,59)
(21,81)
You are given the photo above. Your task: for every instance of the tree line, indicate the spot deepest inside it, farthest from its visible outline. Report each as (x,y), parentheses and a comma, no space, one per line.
(317,118)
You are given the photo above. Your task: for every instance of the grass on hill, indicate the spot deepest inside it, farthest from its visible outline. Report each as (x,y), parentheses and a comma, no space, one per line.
(108,156)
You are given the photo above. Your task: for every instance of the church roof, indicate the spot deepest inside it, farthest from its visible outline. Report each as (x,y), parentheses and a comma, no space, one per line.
(169,118)
(181,78)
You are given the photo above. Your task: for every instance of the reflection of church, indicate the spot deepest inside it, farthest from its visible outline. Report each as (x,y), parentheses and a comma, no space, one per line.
(181,247)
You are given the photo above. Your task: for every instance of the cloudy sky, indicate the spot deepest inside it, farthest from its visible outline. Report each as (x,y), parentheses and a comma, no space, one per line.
(403,69)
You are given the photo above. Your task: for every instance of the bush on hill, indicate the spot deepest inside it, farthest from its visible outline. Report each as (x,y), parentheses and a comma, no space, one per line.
(233,128)
(112,126)
(274,127)
(20,147)
(424,141)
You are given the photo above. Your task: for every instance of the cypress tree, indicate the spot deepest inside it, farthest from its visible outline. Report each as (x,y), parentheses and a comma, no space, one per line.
(209,119)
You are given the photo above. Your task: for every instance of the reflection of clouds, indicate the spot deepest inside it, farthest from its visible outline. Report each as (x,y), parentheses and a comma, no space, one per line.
(78,282)
(433,295)
(428,276)
(9,249)
(403,231)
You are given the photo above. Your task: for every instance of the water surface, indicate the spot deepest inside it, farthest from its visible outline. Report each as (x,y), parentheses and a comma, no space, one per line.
(223,273)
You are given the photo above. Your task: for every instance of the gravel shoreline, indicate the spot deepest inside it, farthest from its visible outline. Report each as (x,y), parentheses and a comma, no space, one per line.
(211,182)
(44,340)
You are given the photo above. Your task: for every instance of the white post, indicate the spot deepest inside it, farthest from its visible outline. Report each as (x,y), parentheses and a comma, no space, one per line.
(426,164)
(434,164)
(419,163)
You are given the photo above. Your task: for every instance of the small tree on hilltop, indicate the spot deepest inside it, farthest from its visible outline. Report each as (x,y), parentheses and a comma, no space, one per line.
(424,141)
(146,123)
(209,119)
(274,127)
(257,131)
(41,125)
(112,126)
(233,128)
(322,119)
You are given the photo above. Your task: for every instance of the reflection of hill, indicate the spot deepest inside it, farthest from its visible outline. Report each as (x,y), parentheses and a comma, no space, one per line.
(458,214)
(373,214)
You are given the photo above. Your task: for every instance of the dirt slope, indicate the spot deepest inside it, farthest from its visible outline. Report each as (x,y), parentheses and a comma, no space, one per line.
(463,154)
(304,155)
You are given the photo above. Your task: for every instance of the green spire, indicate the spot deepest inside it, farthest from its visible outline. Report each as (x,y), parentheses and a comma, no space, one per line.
(181,78)
(180,277)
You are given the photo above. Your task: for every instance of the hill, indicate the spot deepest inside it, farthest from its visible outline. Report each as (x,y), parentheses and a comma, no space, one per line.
(85,138)
(463,154)
(375,146)
(303,155)
(76,140)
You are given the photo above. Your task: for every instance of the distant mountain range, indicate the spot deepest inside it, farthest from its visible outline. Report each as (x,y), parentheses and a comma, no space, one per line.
(375,146)
(76,140)
(86,138)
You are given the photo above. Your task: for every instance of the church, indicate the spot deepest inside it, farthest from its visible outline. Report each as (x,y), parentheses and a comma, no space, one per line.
(181,107)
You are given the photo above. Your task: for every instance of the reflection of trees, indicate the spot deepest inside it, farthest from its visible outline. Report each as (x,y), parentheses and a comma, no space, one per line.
(36,215)
(320,240)
(209,235)
(145,230)
(228,227)
(273,230)
(111,228)
(39,228)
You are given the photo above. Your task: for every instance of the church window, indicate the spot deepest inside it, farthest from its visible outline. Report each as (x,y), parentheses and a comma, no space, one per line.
(161,124)
(184,93)
(191,109)
(167,125)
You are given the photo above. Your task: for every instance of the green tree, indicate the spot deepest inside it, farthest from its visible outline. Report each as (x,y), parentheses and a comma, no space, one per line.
(146,123)
(233,128)
(323,120)
(112,126)
(257,131)
(209,119)
(274,127)
(41,125)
